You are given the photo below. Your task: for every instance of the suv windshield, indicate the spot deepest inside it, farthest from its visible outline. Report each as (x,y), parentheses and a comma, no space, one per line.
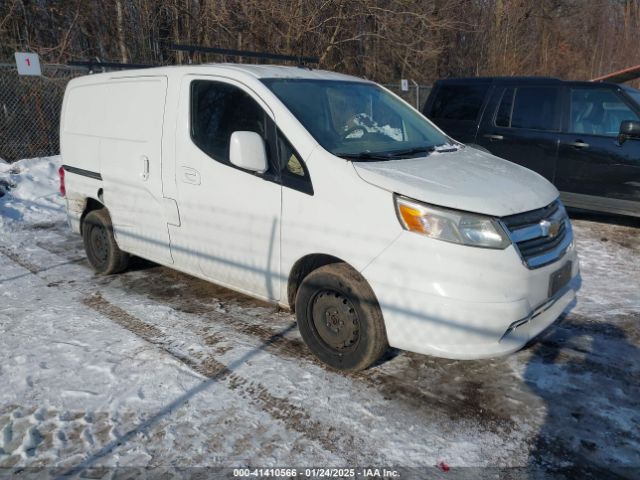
(635,94)
(357,120)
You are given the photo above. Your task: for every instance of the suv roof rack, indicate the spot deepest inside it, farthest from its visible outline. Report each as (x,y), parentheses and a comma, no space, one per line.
(499,79)
(302,60)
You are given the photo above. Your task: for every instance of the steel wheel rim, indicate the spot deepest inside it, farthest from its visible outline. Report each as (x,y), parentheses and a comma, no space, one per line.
(99,243)
(334,321)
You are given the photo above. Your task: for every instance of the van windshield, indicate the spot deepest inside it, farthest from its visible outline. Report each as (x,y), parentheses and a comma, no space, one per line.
(358,120)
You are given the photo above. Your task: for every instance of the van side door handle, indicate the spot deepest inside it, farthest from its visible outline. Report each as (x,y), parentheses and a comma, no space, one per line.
(493,137)
(579,144)
(144,175)
(190,175)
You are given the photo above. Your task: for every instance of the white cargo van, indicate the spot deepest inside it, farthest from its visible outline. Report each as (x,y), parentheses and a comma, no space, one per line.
(323,193)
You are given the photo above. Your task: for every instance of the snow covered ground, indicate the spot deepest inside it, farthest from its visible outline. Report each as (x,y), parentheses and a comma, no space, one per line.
(152,368)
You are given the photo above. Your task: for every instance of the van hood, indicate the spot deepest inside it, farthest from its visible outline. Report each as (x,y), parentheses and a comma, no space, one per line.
(467,179)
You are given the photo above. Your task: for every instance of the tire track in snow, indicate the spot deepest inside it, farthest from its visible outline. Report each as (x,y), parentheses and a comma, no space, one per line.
(185,294)
(333,434)
(12,255)
(292,416)
(191,295)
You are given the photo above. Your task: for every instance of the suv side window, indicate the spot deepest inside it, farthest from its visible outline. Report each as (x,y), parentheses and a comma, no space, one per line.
(503,116)
(219,109)
(459,102)
(598,112)
(535,108)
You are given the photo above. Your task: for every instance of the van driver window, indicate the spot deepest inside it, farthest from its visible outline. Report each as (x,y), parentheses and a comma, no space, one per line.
(219,109)
(598,112)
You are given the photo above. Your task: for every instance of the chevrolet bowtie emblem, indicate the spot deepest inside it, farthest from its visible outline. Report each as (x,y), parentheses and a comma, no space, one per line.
(549,229)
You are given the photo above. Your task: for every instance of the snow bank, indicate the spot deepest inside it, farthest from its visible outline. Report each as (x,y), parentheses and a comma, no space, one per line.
(29,191)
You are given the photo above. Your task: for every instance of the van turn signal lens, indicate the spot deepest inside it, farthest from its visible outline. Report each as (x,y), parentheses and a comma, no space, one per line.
(413,218)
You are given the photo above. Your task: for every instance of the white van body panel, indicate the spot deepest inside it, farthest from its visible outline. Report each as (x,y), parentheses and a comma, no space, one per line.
(458,303)
(229,219)
(122,120)
(345,218)
(246,232)
(468,180)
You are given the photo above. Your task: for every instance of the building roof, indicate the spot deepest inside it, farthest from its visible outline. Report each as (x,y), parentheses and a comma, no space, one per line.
(621,76)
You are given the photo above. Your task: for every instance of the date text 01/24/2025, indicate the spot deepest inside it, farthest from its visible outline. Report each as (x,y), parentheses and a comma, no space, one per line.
(316,473)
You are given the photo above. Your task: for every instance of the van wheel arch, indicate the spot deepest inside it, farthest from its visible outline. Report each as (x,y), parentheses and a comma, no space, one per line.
(303,267)
(103,253)
(339,318)
(91,204)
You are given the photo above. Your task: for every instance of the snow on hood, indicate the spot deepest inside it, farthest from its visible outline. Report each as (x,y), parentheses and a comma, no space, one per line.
(467,179)
(29,191)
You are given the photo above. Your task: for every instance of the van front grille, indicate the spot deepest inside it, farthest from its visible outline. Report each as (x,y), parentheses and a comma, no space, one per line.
(541,236)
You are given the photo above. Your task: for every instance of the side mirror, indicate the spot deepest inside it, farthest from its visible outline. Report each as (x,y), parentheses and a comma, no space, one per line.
(247,151)
(629,130)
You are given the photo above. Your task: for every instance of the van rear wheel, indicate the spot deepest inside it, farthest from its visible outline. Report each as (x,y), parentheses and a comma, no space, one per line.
(339,318)
(103,252)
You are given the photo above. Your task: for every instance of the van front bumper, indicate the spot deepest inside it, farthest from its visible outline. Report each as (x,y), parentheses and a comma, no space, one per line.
(462,302)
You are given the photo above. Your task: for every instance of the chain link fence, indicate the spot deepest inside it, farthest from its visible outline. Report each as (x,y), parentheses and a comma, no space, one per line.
(416,95)
(30,109)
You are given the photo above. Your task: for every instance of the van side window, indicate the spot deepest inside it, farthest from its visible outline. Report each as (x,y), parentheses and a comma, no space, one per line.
(536,108)
(459,102)
(598,112)
(293,171)
(219,109)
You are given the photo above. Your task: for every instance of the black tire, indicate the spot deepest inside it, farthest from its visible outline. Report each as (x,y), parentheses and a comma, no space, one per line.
(339,318)
(103,252)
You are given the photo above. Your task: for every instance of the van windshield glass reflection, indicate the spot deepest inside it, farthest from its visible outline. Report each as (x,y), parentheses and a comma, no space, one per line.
(357,120)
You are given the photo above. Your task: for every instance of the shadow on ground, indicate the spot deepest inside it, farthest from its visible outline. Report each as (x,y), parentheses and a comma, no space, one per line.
(586,373)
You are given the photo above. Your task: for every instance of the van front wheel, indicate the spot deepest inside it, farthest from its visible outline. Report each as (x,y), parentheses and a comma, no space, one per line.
(339,318)
(103,252)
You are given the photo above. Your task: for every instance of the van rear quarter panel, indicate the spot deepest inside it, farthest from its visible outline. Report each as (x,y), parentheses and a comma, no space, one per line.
(112,125)
(125,110)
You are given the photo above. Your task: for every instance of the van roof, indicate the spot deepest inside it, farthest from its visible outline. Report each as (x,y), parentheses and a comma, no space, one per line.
(256,71)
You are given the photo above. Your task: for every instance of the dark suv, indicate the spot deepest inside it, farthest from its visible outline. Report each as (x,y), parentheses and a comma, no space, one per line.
(582,136)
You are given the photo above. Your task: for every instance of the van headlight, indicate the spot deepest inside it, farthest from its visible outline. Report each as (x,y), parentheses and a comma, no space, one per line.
(451,225)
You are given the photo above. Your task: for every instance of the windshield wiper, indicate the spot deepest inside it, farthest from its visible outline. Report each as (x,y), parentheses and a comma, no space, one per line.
(393,154)
(410,151)
(364,156)
(379,156)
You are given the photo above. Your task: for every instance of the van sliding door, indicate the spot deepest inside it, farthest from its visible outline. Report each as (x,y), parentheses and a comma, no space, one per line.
(130,163)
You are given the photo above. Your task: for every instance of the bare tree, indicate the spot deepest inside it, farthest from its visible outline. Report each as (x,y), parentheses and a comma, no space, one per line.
(379,39)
